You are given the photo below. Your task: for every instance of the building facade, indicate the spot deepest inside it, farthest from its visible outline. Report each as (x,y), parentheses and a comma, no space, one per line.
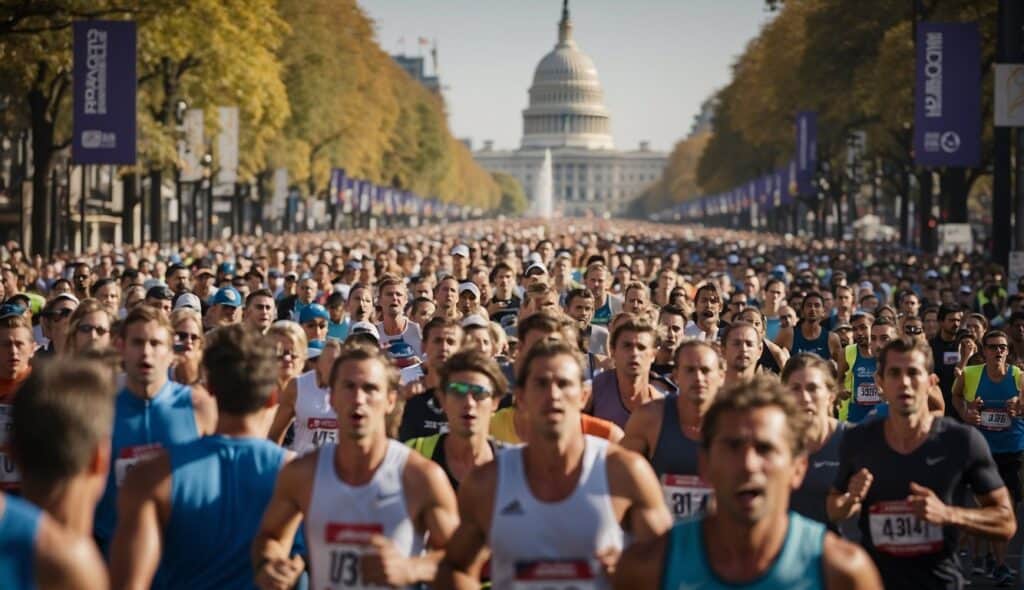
(566,114)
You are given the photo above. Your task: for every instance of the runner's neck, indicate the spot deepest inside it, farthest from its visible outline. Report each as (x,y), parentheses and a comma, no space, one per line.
(743,551)
(355,461)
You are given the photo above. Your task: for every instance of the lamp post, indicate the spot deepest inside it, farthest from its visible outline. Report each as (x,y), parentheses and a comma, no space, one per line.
(206,190)
(180,107)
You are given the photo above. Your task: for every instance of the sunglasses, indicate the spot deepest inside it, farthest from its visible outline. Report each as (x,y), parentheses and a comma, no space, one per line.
(913,330)
(58,313)
(183,336)
(479,392)
(89,329)
(998,347)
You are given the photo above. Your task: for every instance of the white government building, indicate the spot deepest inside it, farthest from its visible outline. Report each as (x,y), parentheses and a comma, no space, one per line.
(567,115)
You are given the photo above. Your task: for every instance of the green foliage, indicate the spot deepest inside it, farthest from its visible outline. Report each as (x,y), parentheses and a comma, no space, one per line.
(513,199)
(678,183)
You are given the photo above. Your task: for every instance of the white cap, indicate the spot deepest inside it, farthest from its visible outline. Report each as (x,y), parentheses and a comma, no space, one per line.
(535,266)
(364,327)
(470,287)
(461,250)
(474,320)
(188,301)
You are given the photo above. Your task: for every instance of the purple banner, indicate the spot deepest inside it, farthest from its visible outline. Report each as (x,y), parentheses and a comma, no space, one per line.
(104,92)
(947,95)
(806,151)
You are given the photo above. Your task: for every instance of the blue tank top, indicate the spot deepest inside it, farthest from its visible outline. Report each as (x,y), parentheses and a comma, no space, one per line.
(140,427)
(798,564)
(224,482)
(994,395)
(865,395)
(771,328)
(818,346)
(19,526)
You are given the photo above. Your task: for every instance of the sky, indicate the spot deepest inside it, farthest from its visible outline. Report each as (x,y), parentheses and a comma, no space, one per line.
(658,60)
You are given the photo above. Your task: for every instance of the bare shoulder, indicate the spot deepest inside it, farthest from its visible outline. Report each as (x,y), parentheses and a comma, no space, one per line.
(640,565)
(847,565)
(146,478)
(300,468)
(422,474)
(626,467)
(66,560)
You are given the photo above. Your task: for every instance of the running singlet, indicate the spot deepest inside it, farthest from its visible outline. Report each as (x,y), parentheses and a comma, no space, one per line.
(909,552)
(19,526)
(608,401)
(10,477)
(404,349)
(1004,433)
(818,346)
(809,499)
(675,463)
(798,564)
(432,447)
(552,545)
(343,518)
(604,314)
(864,395)
(141,428)
(220,487)
(316,424)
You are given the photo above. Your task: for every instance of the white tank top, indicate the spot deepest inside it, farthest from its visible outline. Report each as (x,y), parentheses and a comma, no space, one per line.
(316,424)
(342,518)
(552,545)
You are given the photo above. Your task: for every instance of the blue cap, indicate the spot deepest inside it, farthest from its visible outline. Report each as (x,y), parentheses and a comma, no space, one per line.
(9,310)
(313,311)
(227,296)
(227,268)
(315,348)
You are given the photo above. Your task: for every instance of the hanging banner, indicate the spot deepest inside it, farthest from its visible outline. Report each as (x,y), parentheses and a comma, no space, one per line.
(1009,96)
(227,145)
(947,95)
(806,151)
(104,84)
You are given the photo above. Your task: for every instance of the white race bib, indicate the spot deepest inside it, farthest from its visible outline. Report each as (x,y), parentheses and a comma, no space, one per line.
(554,575)
(685,495)
(347,544)
(897,531)
(995,419)
(951,358)
(867,394)
(130,457)
(324,430)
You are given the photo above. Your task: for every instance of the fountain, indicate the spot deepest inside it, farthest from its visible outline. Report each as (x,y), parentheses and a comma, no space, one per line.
(542,197)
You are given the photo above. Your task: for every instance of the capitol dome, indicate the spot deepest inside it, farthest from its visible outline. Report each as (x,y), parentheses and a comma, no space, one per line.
(566,101)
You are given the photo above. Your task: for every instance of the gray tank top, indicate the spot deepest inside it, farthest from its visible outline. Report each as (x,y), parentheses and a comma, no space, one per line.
(607,401)
(674,453)
(822,466)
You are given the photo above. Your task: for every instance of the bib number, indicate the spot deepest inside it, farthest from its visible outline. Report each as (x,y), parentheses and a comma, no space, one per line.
(130,457)
(347,543)
(6,424)
(897,531)
(324,430)
(995,420)
(685,495)
(10,478)
(867,394)
(951,358)
(554,575)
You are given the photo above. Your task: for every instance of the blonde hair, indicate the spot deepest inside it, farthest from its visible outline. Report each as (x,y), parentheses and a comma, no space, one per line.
(294,333)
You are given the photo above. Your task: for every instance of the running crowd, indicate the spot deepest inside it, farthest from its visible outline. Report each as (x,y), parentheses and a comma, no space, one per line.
(511,405)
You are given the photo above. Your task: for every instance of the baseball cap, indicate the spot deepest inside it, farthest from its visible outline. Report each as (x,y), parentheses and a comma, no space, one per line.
(313,311)
(227,296)
(314,349)
(461,250)
(188,301)
(931,274)
(965,289)
(534,267)
(474,321)
(364,327)
(842,326)
(160,292)
(471,288)
(9,310)
(70,297)
(227,268)
(354,265)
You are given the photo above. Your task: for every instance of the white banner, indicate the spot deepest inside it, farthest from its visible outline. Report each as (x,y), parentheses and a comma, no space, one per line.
(1016,269)
(191,150)
(955,236)
(227,145)
(280,190)
(1009,98)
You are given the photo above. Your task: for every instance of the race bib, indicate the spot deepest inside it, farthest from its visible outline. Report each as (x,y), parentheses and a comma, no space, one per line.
(951,358)
(867,394)
(896,531)
(130,457)
(554,575)
(995,419)
(685,495)
(324,430)
(6,424)
(10,478)
(347,544)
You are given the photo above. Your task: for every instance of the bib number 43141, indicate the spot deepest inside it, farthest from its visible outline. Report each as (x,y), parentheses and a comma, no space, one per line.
(896,530)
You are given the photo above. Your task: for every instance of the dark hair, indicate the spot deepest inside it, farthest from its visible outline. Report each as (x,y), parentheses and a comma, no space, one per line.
(258,293)
(763,391)
(577,294)
(548,323)
(809,360)
(62,413)
(438,323)
(904,345)
(946,310)
(672,310)
(632,323)
(547,348)
(499,267)
(241,369)
(477,362)
(993,334)
(100,284)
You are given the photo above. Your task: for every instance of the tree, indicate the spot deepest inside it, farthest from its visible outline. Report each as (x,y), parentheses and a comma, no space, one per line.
(513,199)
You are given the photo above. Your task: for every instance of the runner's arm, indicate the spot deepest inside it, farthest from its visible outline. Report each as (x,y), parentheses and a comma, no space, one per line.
(467,549)
(285,412)
(641,565)
(273,542)
(206,410)
(638,429)
(847,566)
(138,540)
(959,403)
(615,434)
(631,478)
(835,348)
(784,338)
(993,519)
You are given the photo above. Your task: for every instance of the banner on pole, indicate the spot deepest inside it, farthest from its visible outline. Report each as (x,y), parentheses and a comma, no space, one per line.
(806,151)
(104,84)
(1009,95)
(947,95)
(227,145)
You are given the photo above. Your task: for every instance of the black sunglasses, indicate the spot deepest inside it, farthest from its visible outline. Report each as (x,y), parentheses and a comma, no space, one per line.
(58,313)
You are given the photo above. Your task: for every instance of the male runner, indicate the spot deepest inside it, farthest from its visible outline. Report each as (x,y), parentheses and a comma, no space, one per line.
(742,348)
(16,349)
(369,504)
(400,336)
(151,411)
(606,305)
(707,314)
(423,414)
(857,366)
(260,310)
(579,305)
(900,473)
(620,391)
(946,353)
(671,323)
(306,401)
(471,385)
(552,511)
(809,334)
(752,453)
(193,510)
(774,301)
(667,431)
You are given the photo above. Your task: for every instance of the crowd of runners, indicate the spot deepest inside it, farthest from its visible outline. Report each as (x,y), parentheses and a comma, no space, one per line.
(523,406)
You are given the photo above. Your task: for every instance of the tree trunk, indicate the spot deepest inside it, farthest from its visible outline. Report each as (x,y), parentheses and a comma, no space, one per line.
(42,161)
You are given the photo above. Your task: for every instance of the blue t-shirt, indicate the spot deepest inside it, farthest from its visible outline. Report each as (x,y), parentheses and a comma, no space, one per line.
(19,526)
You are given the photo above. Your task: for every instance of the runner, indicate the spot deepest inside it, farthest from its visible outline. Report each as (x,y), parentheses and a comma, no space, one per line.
(773,356)
(619,392)
(400,336)
(858,365)
(606,305)
(305,402)
(471,385)
(151,411)
(809,334)
(667,431)
(368,504)
(945,353)
(742,349)
(314,318)
(988,397)
(899,474)
(194,509)
(706,322)
(753,455)
(552,511)
(774,301)
(260,310)
(423,414)
(671,323)
(16,350)
(579,305)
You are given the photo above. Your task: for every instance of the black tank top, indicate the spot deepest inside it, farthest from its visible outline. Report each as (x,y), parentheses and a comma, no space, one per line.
(767,361)
(674,453)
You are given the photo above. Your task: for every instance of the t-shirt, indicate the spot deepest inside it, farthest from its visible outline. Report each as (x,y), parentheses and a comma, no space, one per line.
(423,416)
(909,552)
(503,426)
(945,356)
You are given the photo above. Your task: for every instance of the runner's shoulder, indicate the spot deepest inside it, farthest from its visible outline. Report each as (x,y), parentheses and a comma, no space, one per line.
(421,473)
(846,564)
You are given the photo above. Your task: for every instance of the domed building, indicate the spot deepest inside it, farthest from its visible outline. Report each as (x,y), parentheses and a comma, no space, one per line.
(567,115)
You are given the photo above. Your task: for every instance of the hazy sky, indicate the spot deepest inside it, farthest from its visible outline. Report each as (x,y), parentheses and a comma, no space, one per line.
(657,59)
